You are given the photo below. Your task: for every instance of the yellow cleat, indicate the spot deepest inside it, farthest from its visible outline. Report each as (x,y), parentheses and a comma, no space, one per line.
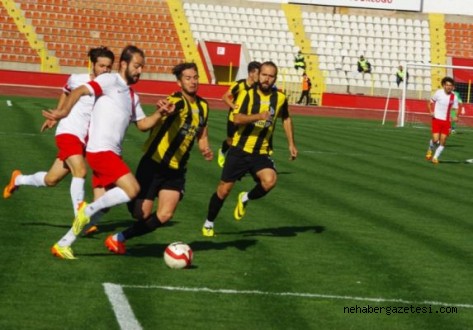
(435,161)
(208,232)
(240,208)
(62,252)
(221,158)
(81,220)
(428,155)
(11,187)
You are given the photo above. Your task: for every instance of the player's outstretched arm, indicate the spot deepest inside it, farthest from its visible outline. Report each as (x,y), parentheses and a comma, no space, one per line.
(70,101)
(204,146)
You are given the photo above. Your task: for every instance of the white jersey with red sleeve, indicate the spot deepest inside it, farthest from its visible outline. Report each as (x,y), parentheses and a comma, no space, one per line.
(443,104)
(77,122)
(115,107)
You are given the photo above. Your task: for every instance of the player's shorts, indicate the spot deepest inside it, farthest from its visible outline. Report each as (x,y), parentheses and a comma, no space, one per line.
(440,126)
(107,167)
(238,163)
(69,145)
(154,177)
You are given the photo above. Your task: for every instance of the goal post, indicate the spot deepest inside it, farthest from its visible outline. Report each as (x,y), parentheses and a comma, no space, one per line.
(432,75)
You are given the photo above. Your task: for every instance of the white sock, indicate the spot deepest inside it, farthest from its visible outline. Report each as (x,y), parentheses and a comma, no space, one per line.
(438,151)
(431,145)
(70,238)
(77,192)
(36,180)
(111,198)
(208,224)
(244,198)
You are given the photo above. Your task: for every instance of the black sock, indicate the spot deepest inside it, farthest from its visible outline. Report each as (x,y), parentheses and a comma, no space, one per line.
(257,192)
(142,227)
(215,205)
(225,146)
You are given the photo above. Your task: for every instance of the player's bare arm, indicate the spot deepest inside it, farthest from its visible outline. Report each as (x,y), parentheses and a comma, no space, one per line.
(289,130)
(204,146)
(70,101)
(163,108)
(243,119)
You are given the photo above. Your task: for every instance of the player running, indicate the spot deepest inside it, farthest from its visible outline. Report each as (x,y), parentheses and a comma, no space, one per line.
(71,136)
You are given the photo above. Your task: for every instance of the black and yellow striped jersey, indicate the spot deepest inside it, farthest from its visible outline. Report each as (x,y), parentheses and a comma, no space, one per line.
(255,137)
(235,89)
(171,140)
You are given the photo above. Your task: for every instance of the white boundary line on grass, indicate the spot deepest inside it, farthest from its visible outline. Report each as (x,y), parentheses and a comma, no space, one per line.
(123,312)
(127,320)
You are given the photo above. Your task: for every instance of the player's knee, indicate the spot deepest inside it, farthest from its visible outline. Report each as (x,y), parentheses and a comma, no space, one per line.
(51,181)
(165,216)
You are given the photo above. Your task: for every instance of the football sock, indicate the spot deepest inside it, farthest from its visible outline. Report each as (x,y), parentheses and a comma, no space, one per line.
(431,145)
(215,205)
(438,151)
(112,197)
(36,180)
(257,192)
(208,224)
(141,227)
(77,192)
(70,238)
(225,146)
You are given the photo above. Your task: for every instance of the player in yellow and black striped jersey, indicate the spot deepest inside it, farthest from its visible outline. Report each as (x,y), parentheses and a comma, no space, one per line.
(162,168)
(257,110)
(229,98)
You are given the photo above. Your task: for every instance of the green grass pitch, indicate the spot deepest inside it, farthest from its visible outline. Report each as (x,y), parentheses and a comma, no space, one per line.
(360,220)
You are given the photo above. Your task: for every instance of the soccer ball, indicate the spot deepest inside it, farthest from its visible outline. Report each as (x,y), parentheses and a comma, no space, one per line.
(178,255)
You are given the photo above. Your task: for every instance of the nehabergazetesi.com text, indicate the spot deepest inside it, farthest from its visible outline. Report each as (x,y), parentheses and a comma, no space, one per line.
(389,310)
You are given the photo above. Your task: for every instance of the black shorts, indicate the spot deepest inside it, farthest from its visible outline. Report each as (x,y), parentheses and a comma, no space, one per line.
(154,177)
(238,163)
(231,129)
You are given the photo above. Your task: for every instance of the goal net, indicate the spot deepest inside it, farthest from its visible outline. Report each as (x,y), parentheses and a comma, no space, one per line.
(424,80)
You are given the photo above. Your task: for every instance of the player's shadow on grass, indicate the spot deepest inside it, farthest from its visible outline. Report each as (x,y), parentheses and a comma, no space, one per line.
(157,249)
(288,231)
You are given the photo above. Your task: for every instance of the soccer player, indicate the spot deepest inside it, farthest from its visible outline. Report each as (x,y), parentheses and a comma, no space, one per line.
(71,135)
(162,168)
(255,116)
(115,107)
(444,100)
(229,98)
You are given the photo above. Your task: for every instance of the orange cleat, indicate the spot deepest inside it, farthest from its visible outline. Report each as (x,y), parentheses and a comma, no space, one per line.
(11,187)
(115,246)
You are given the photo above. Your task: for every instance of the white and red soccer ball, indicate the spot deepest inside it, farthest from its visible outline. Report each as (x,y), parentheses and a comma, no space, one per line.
(178,255)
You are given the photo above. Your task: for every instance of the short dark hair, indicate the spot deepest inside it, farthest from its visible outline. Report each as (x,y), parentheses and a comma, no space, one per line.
(270,63)
(129,51)
(254,65)
(446,80)
(177,70)
(102,51)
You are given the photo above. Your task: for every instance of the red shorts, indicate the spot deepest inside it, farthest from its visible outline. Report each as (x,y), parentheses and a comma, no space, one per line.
(69,145)
(107,167)
(441,126)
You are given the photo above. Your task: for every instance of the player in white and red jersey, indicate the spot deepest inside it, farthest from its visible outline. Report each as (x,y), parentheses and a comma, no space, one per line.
(444,100)
(71,134)
(115,107)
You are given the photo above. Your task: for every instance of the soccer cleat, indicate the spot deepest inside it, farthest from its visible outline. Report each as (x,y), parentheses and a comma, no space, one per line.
(81,220)
(208,232)
(435,160)
(11,187)
(428,155)
(115,246)
(90,230)
(240,208)
(221,158)
(62,252)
